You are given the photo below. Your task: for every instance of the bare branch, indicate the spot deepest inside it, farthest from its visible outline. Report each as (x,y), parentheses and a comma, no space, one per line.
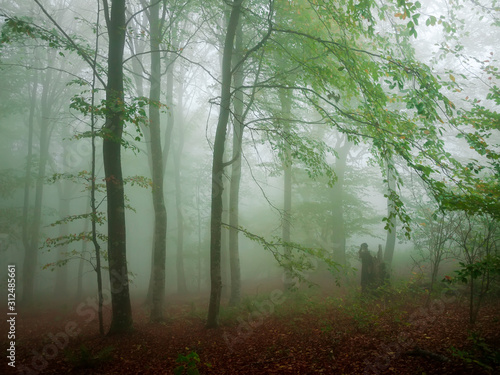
(82,53)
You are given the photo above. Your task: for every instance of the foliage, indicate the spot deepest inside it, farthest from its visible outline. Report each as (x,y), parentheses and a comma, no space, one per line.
(10,181)
(478,239)
(133,112)
(314,206)
(476,120)
(433,236)
(85,176)
(83,358)
(10,227)
(488,265)
(481,353)
(369,86)
(360,310)
(299,261)
(15,28)
(188,364)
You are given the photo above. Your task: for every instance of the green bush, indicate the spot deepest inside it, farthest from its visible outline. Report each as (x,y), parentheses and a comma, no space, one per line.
(188,364)
(83,358)
(480,353)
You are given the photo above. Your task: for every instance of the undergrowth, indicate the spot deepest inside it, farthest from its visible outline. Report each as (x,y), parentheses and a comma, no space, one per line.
(83,358)
(479,352)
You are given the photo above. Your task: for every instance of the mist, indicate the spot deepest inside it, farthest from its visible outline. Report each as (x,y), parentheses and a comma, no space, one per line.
(249,187)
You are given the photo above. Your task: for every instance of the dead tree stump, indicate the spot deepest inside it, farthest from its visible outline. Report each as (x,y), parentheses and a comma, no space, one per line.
(372,269)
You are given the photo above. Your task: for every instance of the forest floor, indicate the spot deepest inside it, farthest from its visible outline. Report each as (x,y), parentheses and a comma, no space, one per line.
(271,333)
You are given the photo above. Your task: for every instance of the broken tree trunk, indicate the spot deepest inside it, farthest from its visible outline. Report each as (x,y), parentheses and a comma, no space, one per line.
(372,269)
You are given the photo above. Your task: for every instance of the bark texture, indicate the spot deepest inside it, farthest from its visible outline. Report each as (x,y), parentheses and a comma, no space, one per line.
(234,188)
(121,320)
(286,109)
(218,169)
(160,212)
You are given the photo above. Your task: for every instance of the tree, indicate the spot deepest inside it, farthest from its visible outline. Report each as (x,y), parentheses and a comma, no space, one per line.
(27,282)
(48,100)
(433,235)
(285,97)
(218,168)
(338,225)
(115,115)
(238,128)
(160,223)
(390,241)
(61,284)
(181,276)
(478,238)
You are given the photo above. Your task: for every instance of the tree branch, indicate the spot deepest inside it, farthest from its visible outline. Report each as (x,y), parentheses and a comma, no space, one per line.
(82,53)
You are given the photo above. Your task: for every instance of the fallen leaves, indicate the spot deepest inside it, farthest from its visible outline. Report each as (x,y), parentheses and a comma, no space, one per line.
(315,340)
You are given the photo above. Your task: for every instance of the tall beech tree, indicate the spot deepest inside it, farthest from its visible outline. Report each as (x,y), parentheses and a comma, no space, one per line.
(28,281)
(234,187)
(113,131)
(338,220)
(218,168)
(390,242)
(177,156)
(49,106)
(160,222)
(285,98)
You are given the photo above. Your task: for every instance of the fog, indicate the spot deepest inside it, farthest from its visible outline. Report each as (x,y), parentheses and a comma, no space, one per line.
(249,187)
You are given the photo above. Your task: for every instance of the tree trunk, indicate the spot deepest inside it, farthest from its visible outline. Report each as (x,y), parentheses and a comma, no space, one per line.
(61,284)
(225,272)
(372,269)
(31,254)
(286,109)
(82,261)
(200,252)
(170,61)
(93,203)
(181,276)
(390,242)
(234,253)
(218,169)
(27,283)
(166,143)
(338,228)
(121,320)
(160,225)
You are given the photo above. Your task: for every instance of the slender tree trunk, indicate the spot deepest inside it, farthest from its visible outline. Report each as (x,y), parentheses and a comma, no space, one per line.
(199,260)
(137,48)
(181,276)
(79,275)
(160,231)
(93,203)
(121,320)
(218,169)
(169,61)
(225,272)
(390,242)
(338,228)
(234,253)
(31,254)
(81,262)
(97,246)
(27,187)
(61,284)
(286,109)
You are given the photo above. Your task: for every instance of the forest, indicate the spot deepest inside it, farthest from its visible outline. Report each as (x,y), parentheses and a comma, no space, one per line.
(250,187)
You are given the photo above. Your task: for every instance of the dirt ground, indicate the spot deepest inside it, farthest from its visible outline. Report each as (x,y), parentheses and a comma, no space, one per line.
(271,333)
